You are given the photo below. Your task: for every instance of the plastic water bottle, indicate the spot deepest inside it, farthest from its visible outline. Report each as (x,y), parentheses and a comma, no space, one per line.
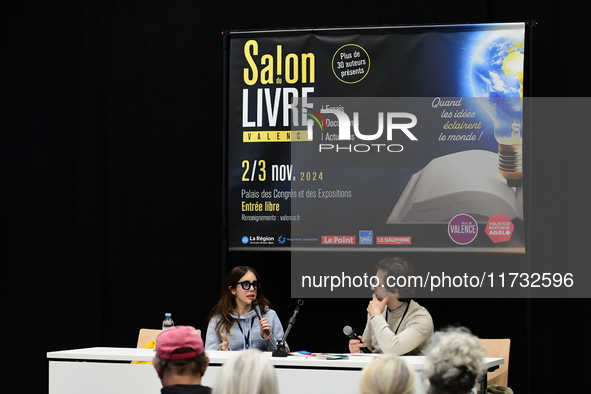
(167,322)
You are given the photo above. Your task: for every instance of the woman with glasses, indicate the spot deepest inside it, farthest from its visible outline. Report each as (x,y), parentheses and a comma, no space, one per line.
(233,323)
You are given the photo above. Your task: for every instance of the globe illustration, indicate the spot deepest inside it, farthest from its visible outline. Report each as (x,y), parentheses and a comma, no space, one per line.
(497,82)
(497,65)
(497,76)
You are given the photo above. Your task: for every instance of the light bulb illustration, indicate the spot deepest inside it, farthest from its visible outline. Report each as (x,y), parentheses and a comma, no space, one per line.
(497,82)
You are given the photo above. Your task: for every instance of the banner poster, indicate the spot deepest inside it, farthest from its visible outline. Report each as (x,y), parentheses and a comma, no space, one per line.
(384,139)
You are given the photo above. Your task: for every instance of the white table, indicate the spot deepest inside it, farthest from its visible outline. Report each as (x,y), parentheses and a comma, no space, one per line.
(103,370)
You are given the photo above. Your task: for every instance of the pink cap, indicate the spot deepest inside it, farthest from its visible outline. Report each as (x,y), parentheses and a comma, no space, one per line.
(178,337)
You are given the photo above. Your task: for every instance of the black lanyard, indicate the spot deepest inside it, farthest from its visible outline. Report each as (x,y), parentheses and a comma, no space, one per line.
(247,336)
(404,314)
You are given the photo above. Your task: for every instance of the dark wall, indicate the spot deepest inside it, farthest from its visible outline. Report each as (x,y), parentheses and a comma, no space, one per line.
(112,157)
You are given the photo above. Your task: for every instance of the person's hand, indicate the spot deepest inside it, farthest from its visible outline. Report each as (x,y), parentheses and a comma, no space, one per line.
(376,306)
(264,323)
(355,345)
(224,344)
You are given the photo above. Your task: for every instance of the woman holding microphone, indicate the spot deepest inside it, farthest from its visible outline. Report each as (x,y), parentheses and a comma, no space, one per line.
(233,322)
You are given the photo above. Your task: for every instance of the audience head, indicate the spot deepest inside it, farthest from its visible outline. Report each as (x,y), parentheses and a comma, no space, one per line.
(179,353)
(247,372)
(387,374)
(454,361)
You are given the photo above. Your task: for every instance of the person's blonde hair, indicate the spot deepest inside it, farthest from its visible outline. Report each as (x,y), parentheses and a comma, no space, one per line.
(455,361)
(247,372)
(387,374)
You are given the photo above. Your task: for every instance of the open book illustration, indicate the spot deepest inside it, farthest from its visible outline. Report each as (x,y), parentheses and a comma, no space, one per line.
(464,182)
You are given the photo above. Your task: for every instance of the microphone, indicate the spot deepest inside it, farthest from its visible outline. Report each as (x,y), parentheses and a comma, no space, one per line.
(257,309)
(281,350)
(349,332)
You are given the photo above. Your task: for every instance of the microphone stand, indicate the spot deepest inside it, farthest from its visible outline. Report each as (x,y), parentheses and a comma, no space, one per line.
(281,351)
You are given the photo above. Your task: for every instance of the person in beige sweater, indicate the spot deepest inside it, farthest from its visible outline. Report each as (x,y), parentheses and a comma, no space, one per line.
(396,324)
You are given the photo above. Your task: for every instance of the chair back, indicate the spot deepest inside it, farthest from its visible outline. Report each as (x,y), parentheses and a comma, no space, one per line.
(146,335)
(498,348)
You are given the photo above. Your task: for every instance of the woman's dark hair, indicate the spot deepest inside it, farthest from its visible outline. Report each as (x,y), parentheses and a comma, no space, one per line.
(227,302)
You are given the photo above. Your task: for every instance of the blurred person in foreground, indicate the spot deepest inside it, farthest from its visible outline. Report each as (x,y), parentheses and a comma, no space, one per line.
(455,362)
(396,324)
(180,361)
(387,374)
(247,372)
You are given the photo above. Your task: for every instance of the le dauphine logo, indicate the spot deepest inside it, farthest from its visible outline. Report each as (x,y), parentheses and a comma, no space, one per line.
(274,110)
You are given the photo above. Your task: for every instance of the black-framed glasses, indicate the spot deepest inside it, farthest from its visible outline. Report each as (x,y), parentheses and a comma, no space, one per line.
(246,285)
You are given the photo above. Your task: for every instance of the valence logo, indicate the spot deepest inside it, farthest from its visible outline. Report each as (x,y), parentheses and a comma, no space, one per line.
(462,229)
